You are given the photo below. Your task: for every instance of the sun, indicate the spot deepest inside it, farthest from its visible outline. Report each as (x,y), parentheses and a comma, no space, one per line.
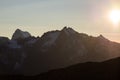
(115,16)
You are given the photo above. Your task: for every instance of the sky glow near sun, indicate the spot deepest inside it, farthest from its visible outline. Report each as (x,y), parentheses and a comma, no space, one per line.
(114,16)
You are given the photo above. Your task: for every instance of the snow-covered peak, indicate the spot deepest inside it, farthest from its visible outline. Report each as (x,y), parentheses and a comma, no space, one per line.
(20,34)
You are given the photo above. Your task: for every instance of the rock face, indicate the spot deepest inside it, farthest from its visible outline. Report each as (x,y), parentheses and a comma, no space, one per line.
(3,40)
(18,34)
(58,49)
(53,50)
(11,58)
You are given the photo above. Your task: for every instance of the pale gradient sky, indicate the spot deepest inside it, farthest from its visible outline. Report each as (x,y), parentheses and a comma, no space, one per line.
(39,16)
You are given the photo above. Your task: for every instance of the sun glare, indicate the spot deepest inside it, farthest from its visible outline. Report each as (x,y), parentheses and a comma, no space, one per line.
(115,16)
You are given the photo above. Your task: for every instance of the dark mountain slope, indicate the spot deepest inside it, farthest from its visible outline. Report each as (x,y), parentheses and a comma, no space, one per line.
(107,70)
(59,49)
(29,55)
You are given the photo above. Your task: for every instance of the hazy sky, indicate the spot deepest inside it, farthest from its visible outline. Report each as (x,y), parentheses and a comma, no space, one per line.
(39,16)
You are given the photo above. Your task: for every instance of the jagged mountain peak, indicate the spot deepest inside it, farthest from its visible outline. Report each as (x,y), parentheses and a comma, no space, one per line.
(20,34)
(49,38)
(65,29)
(102,37)
(18,30)
(68,30)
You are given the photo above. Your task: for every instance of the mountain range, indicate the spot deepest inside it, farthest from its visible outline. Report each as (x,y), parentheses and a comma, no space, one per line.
(27,55)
